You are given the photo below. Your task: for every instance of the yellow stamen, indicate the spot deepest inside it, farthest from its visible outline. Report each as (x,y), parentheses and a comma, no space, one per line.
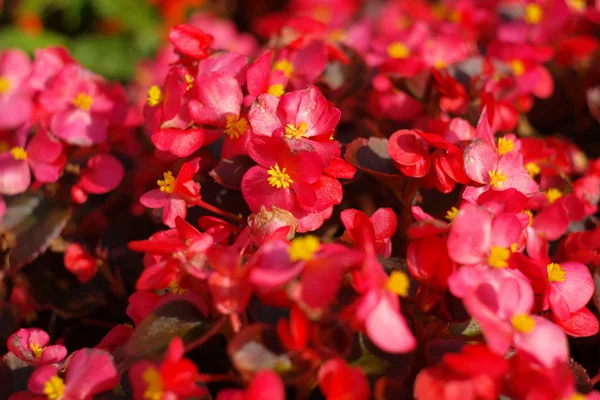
(36,350)
(523,323)
(154,385)
(451,214)
(528,212)
(533,169)
(533,13)
(497,178)
(18,153)
(303,248)
(297,131)
(499,257)
(285,66)
(518,67)
(278,177)
(439,64)
(168,184)
(4,85)
(556,273)
(513,247)
(236,127)
(398,50)
(83,101)
(155,96)
(54,388)
(553,194)
(190,82)
(398,283)
(577,5)
(276,90)
(577,396)
(505,145)
(175,288)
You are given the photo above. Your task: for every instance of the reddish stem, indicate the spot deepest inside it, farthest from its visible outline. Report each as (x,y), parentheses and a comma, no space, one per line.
(220,212)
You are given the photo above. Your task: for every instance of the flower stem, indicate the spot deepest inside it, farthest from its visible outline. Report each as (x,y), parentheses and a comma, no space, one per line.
(222,213)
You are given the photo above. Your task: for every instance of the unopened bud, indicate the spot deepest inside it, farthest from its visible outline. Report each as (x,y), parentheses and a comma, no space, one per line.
(265,223)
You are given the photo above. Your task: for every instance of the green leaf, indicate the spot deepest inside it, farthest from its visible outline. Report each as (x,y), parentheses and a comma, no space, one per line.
(467,328)
(175,318)
(32,223)
(15,38)
(111,57)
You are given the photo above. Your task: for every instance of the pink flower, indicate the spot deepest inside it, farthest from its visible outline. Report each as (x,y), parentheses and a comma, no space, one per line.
(303,115)
(79,105)
(565,287)
(103,174)
(477,237)
(89,372)
(42,156)
(175,194)
(377,310)
(190,41)
(262,78)
(501,301)
(80,262)
(384,223)
(217,103)
(290,176)
(495,167)
(15,92)
(225,33)
(31,345)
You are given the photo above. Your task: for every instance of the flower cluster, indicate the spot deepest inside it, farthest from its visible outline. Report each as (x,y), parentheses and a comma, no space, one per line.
(364,206)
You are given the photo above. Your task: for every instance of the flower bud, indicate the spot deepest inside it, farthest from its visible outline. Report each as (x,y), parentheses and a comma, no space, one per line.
(271,223)
(80,262)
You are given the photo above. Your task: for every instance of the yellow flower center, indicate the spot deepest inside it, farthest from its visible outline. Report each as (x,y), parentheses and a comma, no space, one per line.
(322,14)
(155,96)
(505,145)
(83,101)
(577,396)
(154,384)
(533,169)
(167,185)
(439,64)
(533,13)
(556,273)
(451,214)
(553,194)
(279,178)
(577,5)
(499,257)
(175,288)
(285,66)
(528,212)
(522,323)
(18,153)
(518,67)
(303,248)
(235,126)
(497,178)
(190,82)
(398,283)
(454,16)
(54,388)
(398,50)
(36,350)
(4,85)
(276,90)
(297,131)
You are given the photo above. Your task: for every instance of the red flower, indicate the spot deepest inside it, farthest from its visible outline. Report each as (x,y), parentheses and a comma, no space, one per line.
(410,151)
(473,374)
(80,262)
(175,194)
(174,378)
(340,381)
(190,41)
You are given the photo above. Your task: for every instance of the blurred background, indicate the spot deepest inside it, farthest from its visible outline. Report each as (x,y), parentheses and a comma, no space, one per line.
(112,37)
